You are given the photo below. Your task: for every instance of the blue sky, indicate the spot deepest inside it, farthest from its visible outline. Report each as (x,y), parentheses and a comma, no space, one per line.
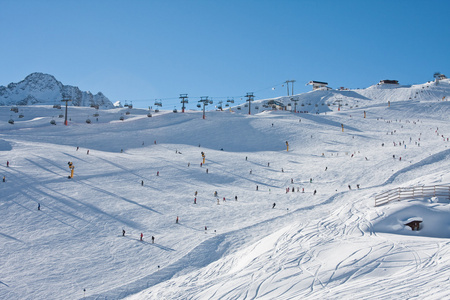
(140,51)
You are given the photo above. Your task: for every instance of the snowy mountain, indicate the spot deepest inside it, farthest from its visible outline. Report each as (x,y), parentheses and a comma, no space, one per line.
(39,88)
(323,239)
(320,101)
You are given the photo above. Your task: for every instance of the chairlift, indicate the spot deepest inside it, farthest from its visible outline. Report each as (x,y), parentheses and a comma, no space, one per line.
(57,106)
(21,116)
(127,113)
(15,109)
(11,121)
(239,108)
(53,122)
(158,103)
(88,121)
(232,101)
(199,105)
(256,107)
(149,115)
(121,118)
(61,116)
(227,105)
(175,110)
(156,110)
(96,115)
(246,105)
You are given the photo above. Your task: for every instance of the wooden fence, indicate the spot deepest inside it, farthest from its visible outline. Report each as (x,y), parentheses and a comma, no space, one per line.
(410,193)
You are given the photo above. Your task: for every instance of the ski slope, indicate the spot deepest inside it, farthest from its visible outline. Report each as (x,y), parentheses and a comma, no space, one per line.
(331,245)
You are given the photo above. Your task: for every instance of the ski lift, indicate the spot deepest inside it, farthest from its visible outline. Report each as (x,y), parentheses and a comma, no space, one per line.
(61,116)
(256,107)
(227,105)
(15,109)
(158,103)
(53,122)
(199,105)
(11,121)
(121,118)
(156,110)
(21,116)
(149,115)
(96,115)
(246,105)
(57,106)
(232,101)
(239,108)
(127,113)
(175,110)
(88,121)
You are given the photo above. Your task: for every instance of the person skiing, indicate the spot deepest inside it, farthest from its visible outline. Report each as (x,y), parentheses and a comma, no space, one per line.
(195,194)
(256,187)
(273,205)
(315,192)
(176,220)
(157,173)
(142,236)
(4,179)
(123,232)
(39,206)
(235,198)
(349,187)
(142,182)
(7,163)
(153,239)
(87,152)
(195,200)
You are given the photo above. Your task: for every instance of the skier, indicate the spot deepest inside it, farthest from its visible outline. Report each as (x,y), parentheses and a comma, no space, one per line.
(195,200)
(39,206)
(206,228)
(78,148)
(357,186)
(235,198)
(176,220)
(123,232)
(292,180)
(206,171)
(87,152)
(7,163)
(310,180)
(189,164)
(215,194)
(142,236)
(303,190)
(315,192)
(224,199)
(195,194)
(268,164)
(250,171)
(4,179)
(273,205)
(256,187)
(142,182)
(349,187)
(153,239)
(157,173)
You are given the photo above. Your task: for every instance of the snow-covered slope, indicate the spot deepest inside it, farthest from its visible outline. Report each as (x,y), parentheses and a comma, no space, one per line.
(39,88)
(330,245)
(321,101)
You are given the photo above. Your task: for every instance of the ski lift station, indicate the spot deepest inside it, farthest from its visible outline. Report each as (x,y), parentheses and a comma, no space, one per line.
(319,85)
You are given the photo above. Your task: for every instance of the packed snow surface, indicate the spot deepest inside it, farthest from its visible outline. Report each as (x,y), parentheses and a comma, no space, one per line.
(143,173)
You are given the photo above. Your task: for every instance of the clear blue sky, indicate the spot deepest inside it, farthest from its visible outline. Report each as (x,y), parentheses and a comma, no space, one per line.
(145,50)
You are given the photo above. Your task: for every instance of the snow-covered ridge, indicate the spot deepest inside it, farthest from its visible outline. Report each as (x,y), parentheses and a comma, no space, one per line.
(40,88)
(320,101)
